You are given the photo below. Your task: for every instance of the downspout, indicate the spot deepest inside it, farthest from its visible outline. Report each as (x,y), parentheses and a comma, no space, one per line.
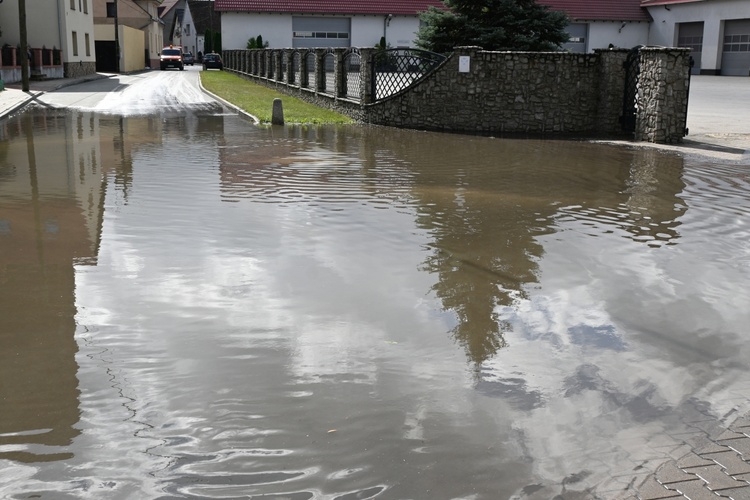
(386,23)
(60,34)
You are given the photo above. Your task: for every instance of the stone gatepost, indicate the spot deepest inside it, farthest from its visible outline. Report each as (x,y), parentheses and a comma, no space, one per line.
(320,70)
(289,76)
(339,73)
(662,99)
(367,59)
(611,90)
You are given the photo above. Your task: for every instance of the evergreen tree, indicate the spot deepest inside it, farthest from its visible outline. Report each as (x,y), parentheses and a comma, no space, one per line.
(492,25)
(208,41)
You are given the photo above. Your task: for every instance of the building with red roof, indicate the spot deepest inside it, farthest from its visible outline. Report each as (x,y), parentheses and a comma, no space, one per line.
(717,31)
(603,23)
(321,23)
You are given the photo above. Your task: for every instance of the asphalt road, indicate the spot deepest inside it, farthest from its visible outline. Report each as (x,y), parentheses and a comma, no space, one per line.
(137,94)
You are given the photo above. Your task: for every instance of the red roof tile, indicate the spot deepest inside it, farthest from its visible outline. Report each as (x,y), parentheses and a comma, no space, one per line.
(600,10)
(382,7)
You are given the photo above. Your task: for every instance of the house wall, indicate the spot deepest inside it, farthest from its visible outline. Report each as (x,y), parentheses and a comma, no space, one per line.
(132,46)
(664,29)
(133,49)
(276,29)
(49,24)
(189,43)
(42,26)
(400,31)
(237,28)
(625,35)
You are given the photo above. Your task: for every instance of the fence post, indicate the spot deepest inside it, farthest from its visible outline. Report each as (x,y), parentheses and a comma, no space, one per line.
(367,76)
(339,73)
(320,70)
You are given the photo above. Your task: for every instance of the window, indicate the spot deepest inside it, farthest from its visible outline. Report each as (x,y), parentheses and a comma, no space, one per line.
(111,10)
(85,6)
(80,5)
(88,44)
(187,30)
(72,4)
(75,43)
(320,34)
(736,43)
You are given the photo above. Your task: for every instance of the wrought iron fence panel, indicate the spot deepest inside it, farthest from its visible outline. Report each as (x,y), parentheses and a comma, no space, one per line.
(397,69)
(294,73)
(329,70)
(352,77)
(310,71)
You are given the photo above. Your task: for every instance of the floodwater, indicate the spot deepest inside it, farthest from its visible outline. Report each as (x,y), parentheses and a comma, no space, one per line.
(195,307)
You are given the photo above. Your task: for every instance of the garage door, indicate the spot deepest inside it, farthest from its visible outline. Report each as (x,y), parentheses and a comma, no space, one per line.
(320,32)
(735,58)
(690,35)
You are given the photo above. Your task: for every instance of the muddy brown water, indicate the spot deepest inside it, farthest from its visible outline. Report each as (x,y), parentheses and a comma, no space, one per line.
(195,307)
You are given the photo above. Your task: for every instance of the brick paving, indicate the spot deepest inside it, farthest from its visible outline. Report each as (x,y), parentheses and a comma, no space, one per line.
(717,468)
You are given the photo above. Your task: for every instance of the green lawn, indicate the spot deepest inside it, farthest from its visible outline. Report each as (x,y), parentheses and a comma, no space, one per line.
(258,100)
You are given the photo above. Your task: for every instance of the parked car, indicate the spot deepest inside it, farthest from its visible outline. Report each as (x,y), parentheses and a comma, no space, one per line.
(212,60)
(188,58)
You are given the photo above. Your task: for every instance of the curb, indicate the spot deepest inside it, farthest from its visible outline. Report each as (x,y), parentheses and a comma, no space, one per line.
(228,104)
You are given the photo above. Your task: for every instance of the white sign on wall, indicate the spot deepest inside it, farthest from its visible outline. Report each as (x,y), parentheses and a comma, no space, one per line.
(463,64)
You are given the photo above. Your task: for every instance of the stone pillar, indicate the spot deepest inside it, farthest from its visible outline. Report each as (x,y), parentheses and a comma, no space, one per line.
(320,70)
(289,67)
(611,90)
(278,56)
(339,75)
(367,59)
(663,95)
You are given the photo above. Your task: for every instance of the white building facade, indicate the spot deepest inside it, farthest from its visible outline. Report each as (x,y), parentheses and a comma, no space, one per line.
(717,31)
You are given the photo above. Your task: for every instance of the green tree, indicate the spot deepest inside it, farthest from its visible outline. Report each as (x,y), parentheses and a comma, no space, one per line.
(217,42)
(208,41)
(492,25)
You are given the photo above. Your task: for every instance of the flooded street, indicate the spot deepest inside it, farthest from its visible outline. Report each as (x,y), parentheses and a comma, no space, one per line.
(195,307)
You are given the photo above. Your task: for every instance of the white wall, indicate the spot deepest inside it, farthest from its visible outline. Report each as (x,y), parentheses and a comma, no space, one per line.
(624,35)
(189,43)
(402,31)
(664,27)
(42,25)
(399,32)
(367,30)
(276,29)
(81,23)
(238,28)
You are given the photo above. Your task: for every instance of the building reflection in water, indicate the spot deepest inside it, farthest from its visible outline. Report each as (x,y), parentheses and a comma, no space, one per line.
(485,203)
(53,171)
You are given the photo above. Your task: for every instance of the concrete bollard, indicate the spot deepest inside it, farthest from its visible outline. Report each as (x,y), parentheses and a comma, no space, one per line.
(277,116)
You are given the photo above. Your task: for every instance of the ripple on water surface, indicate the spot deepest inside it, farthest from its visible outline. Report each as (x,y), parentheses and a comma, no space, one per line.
(357,312)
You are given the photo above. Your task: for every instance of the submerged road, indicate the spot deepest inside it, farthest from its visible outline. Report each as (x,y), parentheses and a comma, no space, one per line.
(138,94)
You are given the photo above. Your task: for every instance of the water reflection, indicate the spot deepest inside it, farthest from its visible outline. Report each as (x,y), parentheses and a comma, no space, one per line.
(51,189)
(356,312)
(484,205)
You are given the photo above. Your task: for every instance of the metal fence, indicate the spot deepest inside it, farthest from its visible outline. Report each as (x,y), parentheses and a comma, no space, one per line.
(397,69)
(365,75)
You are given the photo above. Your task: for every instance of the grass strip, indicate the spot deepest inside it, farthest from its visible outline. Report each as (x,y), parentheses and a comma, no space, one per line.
(258,100)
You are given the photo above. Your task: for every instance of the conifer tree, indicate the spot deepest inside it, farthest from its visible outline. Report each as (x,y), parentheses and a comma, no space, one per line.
(492,25)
